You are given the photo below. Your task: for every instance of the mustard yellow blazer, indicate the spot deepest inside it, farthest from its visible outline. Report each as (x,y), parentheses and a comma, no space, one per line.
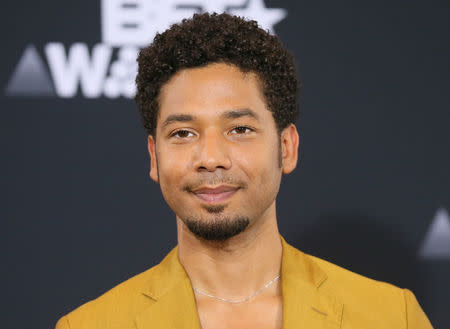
(316,295)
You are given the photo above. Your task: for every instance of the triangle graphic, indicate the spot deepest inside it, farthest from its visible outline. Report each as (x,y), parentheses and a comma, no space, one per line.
(436,245)
(30,77)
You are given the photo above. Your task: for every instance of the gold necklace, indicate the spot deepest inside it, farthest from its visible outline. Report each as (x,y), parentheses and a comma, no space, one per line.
(237,301)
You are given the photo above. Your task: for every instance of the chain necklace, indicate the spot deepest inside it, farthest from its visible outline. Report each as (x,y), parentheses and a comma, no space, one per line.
(236,301)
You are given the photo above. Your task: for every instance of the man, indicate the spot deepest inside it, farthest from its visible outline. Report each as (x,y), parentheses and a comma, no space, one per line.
(217,96)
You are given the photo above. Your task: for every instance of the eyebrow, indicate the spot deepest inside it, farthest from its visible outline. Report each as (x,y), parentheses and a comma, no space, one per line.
(178,118)
(235,114)
(232,114)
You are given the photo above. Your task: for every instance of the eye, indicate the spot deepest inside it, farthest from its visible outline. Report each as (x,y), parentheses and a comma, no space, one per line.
(182,134)
(241,130)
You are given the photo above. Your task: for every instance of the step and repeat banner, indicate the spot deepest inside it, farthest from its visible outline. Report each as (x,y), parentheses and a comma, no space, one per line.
(371,192)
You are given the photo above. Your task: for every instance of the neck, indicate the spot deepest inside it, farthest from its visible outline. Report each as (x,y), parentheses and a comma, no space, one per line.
(238,266)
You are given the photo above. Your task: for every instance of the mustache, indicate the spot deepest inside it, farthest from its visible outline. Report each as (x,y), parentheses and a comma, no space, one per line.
(213,181)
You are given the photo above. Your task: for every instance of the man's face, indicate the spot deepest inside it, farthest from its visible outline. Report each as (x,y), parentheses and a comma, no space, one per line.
(217,151)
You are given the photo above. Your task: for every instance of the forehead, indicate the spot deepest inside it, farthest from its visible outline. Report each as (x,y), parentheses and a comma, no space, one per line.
(210,90)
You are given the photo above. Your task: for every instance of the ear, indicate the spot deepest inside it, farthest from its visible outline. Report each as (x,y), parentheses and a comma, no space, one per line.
(151,145)
(289,148)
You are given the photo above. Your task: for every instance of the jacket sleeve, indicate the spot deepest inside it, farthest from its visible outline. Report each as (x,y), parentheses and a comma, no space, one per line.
(415,317)
(63,323)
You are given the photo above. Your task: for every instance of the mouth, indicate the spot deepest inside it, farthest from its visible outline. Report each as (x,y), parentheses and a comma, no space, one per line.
(216,194)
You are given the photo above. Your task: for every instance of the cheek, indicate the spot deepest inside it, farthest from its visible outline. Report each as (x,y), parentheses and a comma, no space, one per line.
(260,165)
(171,169)
(260,162)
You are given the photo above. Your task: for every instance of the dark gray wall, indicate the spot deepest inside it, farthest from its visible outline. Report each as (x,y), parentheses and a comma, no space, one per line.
(79,213)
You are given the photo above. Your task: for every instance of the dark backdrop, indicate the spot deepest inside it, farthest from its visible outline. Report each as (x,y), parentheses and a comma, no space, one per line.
(371,192)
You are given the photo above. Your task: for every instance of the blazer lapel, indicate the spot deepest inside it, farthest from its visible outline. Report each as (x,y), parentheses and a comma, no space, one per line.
(304,305)
(174,304)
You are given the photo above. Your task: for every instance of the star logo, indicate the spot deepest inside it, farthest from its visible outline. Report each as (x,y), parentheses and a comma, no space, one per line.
(256,10)
(125,25)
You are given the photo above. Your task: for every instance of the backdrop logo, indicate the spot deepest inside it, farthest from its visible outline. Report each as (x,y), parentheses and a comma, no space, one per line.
(436,245)
(109,68)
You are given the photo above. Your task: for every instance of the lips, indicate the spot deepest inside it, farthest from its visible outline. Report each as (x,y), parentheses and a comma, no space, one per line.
(215,194)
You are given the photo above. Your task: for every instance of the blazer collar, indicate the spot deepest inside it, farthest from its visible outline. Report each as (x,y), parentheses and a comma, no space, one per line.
(174,307)
(304,305)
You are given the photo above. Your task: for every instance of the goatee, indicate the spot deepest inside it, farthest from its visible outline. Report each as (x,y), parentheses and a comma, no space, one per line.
(219,229)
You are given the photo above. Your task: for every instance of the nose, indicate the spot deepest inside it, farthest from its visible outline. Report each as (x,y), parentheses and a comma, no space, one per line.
(212,152)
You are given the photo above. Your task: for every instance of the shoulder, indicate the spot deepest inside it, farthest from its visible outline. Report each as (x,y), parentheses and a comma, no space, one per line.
(116,308)
(348,284)
(364,298)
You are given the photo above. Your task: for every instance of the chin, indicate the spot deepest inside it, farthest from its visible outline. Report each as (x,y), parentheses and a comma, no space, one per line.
(219,229)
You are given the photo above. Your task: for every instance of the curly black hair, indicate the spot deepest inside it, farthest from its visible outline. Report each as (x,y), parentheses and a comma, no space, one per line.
(212,38)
